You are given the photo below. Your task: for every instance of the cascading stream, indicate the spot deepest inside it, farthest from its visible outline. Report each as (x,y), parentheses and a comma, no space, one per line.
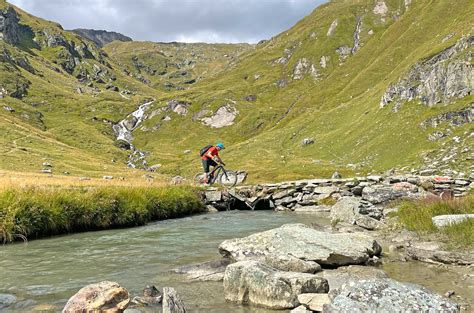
(123,130)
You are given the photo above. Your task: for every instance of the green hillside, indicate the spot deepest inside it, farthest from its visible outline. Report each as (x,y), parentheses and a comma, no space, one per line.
(370,82)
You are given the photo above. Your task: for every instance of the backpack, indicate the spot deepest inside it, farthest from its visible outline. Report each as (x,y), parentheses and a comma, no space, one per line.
(204,150)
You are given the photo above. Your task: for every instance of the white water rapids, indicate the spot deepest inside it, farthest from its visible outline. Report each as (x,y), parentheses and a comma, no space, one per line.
(123,130)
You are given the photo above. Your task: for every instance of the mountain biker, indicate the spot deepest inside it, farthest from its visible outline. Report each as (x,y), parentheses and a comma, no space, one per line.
(211,158)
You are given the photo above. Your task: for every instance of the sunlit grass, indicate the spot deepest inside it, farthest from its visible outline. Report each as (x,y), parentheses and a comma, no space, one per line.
(417,216)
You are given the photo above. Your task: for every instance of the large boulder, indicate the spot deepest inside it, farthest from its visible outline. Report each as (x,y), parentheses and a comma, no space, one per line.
(386,295)
(379,194)
(305,243)
(251,282)
(103,296)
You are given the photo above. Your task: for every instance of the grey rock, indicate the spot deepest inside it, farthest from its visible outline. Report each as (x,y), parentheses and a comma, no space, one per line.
(433,254)
(453,118)
(213,196)
(448,220)
(9,28)
(6,300)
(223,117)
(208,271)
(305,243)
(312,208)
(179,107)
(314,301)
(345,274)
(336,175)
(250,282)
(155,167)
(46,171)
(380,194)
(380,8)
(332,28)
(172,303)
(443,78)
(289,263)
(302,67)
(101,37)
(301,309)
(307,141)
(385,295)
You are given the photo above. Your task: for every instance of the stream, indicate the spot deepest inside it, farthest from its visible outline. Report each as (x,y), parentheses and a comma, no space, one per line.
(43,274)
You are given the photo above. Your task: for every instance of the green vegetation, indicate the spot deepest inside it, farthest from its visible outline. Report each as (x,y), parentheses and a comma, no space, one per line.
(339,108)
(31,213)
(417,216)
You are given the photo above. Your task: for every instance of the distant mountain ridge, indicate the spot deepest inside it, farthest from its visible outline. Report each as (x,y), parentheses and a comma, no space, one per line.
(101,37)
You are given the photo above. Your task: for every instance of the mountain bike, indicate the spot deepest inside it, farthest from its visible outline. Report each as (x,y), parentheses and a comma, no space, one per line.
(218,175)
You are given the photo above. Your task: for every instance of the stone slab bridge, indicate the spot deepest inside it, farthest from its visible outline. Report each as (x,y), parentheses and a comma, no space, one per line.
(318,195)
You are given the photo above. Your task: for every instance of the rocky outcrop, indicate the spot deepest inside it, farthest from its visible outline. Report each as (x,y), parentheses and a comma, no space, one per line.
(385,295)
(357,32)
(9,28)
(352,273)
(250,282)
(103,296)
(380,8)
(305,243)
(332,28)
(356,211)
(223,117)
(442,78)
(455,118)
(303,67)
(100,37)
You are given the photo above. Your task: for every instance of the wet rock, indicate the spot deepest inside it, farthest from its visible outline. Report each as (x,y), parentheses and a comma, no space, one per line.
(172,303)
(305,243)
(223,117)
(105,295)
(151,296)
(314,301)
(6,300)
(208,271)
(384,295)
(431,253)
(447,220)
(250,282)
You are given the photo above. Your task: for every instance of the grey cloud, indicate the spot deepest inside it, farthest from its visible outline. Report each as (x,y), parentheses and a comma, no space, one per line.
(177,20)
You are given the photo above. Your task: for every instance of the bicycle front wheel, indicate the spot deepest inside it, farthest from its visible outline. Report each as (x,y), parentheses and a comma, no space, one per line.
(228,178)
(199,179)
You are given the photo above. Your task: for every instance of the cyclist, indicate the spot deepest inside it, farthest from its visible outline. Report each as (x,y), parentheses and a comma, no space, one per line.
(211,158)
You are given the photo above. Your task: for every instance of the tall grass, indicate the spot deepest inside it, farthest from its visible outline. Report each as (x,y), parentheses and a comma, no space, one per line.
(417,216)
(35,212)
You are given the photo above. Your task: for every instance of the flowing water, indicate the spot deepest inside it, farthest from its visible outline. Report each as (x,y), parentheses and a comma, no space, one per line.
(123,130)
(43,274)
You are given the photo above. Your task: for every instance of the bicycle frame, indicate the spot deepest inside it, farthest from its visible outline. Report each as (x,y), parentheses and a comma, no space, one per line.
(214,174)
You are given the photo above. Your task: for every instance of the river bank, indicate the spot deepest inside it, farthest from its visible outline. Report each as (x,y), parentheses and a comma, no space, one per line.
(35,212)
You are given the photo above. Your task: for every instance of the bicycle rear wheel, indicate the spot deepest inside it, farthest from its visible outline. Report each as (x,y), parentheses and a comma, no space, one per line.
(199,179)
(228,178)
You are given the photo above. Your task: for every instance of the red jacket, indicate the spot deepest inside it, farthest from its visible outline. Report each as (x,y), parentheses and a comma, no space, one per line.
(211,153)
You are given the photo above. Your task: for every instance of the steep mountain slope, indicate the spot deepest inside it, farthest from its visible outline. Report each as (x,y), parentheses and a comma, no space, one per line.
(373,84)
(329,78)
(60,95)
(100,37)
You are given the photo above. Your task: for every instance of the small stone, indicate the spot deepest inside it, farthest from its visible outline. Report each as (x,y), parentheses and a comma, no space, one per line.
(307,141)
(107,177)
(46,171)
(46,164)
(336,175)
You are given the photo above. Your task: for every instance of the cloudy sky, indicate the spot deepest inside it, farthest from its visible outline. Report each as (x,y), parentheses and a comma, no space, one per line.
(177,20)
